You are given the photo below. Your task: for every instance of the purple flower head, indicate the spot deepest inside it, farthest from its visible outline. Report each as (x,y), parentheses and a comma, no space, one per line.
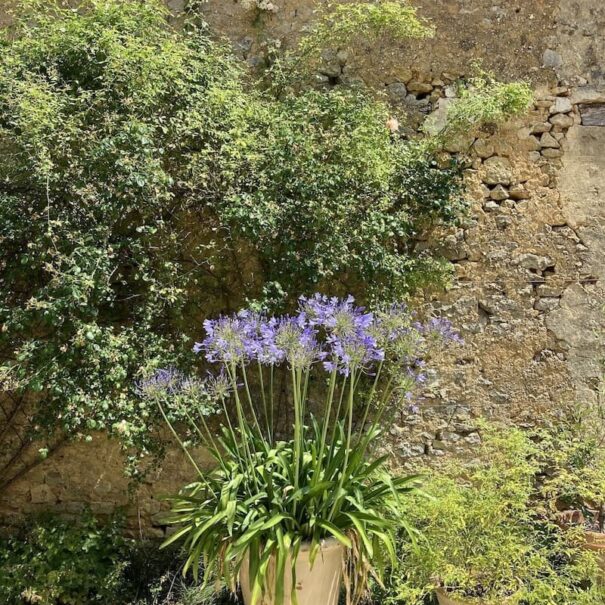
(296,341)
(339,317)
(269,353)
(393,324)
(218,386)
(328,329)
(348,329)
(228,339)
(169,382)
(358,350)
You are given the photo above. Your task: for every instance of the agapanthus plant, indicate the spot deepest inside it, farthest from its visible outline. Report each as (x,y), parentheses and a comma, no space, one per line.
(301,400)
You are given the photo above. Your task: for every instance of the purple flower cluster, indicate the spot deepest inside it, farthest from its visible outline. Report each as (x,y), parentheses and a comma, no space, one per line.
(441,329)
(228,338)
(332,331)
(348,332)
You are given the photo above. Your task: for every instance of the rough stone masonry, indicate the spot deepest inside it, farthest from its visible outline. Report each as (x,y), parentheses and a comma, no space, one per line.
(528,293)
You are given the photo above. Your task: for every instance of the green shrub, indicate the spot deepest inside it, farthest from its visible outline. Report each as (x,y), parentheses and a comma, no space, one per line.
(105,115)
(146,182)
(483,539)
(55,562)
(574,467)
(342,25)
(484,100)
(331,198)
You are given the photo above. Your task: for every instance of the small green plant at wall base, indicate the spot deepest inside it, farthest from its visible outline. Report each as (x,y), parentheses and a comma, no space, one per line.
(574,462)
(483,540)
(281,488)
(57,562)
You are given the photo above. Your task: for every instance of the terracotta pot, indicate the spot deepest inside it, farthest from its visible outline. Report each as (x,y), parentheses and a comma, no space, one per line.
(317,585)
(445,599)
(593,540)
(596,541)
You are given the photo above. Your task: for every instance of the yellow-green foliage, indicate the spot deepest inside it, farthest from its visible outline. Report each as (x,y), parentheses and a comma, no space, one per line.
(483,540)
(341,25)
(574,456)
(483,99)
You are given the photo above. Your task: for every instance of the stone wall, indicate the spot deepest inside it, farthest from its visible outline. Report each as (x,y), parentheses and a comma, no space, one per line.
(529,259)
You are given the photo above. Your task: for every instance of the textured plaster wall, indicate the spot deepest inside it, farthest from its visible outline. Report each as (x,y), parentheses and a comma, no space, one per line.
(529,260)
(579,323)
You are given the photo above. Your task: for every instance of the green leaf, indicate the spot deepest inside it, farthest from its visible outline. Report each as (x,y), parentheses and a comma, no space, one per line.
(334,531)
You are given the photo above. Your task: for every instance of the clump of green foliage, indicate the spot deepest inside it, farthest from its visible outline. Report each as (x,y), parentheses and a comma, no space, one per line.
(574,462)
(55,562)
(107,117)
(332,199)
(341,25)
(484,100)
(483,540)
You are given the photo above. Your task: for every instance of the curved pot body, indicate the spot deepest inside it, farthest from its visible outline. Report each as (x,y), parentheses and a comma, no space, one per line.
(317,585)
(445,599)
(596,541)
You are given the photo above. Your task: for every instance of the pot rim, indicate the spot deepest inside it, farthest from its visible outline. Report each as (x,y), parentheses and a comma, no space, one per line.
(324,544)
(596,539)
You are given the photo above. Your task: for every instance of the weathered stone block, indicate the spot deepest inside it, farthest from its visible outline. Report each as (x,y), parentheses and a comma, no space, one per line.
(551,58)
(562,105)
(499,193)
(518,192)
(484,149)
(534,262)
(562,120)
(593,115)
(541,127)
(546,303)
(420,87)
(397,91)
(548,141)
(498,171)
